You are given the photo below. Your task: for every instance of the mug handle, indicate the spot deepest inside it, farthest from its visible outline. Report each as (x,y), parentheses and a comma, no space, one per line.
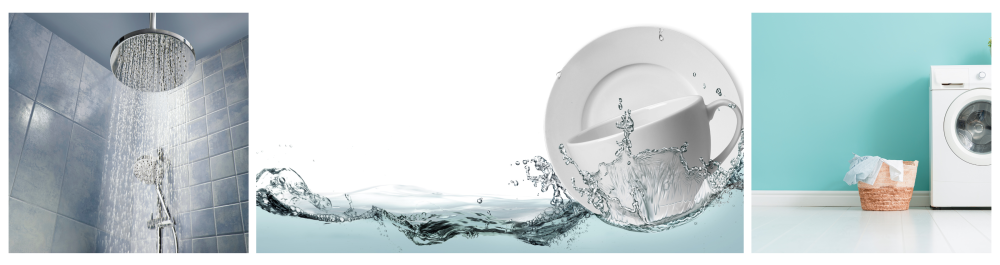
(712,108)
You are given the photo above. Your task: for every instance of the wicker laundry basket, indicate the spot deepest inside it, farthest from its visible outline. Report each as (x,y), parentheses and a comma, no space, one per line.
(886,194)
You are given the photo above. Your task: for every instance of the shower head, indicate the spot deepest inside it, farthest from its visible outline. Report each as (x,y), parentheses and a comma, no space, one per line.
(149,169)
(151,59)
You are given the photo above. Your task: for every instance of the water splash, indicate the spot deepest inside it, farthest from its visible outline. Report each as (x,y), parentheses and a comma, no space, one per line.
(429,218)
(656,189)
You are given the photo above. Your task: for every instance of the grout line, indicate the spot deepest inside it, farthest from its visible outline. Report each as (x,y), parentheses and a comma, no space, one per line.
(938,227)
(861,233)
(33,107)
(44,59)
(79,85)
(20,155)
(974,226)
(62,180)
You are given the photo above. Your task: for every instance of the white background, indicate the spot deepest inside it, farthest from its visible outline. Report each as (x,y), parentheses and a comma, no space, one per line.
(448,94)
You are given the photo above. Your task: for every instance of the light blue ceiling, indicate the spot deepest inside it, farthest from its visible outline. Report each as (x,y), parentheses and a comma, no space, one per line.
(95,34)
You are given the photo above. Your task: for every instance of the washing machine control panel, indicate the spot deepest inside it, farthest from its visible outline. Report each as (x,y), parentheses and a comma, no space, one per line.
(981,75)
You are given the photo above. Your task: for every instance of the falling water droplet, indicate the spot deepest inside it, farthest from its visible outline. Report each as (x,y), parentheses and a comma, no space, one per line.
(619,103)
(695,74)
(661,34)
(718,91)
(703,86)
(480,200)
(558,74)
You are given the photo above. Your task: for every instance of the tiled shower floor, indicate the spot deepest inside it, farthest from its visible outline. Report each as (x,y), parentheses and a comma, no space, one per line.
(849,229)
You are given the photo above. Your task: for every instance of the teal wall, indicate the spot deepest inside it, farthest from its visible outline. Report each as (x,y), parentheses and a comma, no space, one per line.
(827,85)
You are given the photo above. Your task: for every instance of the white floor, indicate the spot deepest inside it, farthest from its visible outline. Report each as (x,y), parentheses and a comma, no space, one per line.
(849,229)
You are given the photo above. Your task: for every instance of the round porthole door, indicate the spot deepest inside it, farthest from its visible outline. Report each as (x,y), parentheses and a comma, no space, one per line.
(968,126)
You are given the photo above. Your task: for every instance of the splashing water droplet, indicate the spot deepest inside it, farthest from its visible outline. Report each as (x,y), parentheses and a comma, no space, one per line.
(558,74)
(480,200)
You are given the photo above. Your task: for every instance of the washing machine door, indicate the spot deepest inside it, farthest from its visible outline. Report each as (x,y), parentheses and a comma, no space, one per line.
(968,126)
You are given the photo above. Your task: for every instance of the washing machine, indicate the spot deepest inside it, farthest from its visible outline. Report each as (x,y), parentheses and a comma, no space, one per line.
(961,138)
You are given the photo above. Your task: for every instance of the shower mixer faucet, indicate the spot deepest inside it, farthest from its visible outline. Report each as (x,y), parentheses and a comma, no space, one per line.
(152,170)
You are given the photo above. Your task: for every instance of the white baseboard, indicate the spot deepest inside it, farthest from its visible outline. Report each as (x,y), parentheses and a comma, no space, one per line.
(822,198)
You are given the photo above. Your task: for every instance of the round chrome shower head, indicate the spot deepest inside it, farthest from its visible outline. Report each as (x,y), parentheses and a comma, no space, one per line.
(152,60)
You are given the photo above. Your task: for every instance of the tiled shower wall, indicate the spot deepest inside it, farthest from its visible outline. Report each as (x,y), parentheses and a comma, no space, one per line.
(210,152)
(69,124)
(60,107)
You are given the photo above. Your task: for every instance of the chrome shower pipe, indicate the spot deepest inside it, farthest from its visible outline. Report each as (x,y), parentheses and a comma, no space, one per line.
(152,20)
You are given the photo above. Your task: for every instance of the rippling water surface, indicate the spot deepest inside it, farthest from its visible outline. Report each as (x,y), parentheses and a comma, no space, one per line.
(640,198)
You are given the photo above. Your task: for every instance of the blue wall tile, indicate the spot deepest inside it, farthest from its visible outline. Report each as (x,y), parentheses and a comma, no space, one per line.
(201,172)
(203,223)
(198,149)
(212,65)
(238,91)
(246,48)
(197,129)
(81,186)
(74,237)
(186,246)
(182,176)
(246,217)
(241,135)
(232,54)
(201,196)
(235,73)
(214,82)
(216,100)
(32,228)
(184,226)
(195,91)
(242,159)
(228,219)
(224,191)
(243,185)
(183,200)
(60,83)
(93,108)
(219,143)
(205,245)
(239,112)
(40,173)
(223,166)
(232,244)
(196,109)
(19,110)
(218,120)
(28,44)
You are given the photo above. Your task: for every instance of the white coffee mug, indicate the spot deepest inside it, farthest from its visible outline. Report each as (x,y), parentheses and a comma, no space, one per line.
(666,124)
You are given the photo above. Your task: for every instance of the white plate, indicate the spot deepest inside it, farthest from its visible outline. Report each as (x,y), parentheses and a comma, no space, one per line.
(641,68)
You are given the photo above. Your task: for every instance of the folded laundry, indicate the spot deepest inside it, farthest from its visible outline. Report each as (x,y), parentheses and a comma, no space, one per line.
(865,169)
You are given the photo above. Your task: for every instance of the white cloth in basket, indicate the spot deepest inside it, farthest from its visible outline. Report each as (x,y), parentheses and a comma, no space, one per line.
(865,169)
